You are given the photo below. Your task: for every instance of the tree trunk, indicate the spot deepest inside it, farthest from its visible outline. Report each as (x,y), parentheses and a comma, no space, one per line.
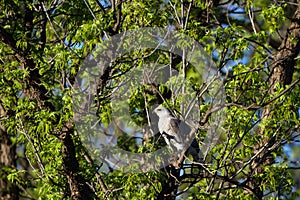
(8,190)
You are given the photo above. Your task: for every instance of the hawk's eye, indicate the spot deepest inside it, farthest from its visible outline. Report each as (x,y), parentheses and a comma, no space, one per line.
(159,109)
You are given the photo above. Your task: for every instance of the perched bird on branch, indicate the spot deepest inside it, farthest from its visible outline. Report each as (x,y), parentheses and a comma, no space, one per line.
(177,134)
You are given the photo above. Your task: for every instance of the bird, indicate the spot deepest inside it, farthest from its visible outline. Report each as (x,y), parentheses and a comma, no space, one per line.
(176,134)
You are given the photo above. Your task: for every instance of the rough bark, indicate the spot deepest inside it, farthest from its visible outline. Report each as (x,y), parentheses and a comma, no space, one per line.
(78,187)
(284,59)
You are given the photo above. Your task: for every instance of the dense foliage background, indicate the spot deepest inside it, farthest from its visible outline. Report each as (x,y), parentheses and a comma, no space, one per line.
(255,45)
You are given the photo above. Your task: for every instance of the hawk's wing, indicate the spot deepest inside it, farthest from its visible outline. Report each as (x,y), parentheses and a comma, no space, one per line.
(172,133)
(174,127)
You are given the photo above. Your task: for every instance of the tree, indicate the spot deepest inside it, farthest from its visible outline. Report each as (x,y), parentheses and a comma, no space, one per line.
(255,46)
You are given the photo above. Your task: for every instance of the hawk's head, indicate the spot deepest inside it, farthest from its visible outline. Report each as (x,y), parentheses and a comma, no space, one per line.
(162,112)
